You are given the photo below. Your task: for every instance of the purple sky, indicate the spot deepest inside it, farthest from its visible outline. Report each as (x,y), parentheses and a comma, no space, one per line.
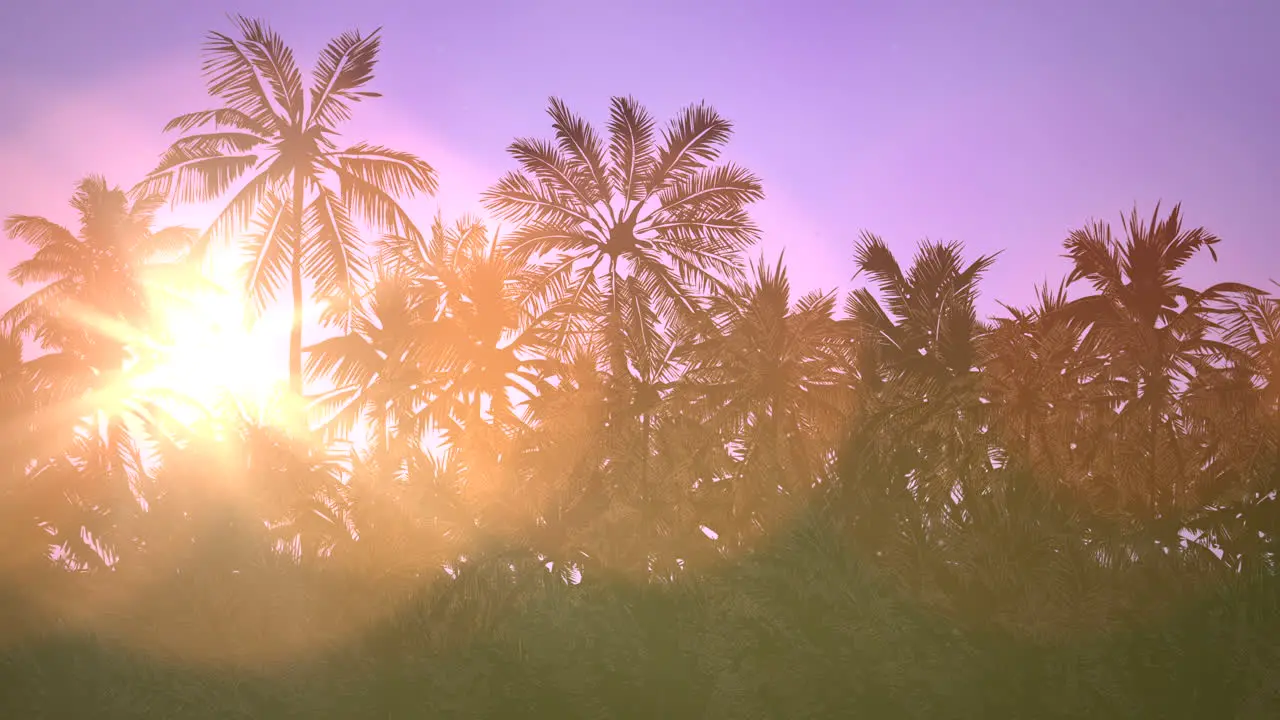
(999,124)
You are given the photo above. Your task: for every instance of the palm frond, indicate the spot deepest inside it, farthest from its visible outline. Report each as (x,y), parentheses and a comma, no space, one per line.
(175,240)
(516,197)
(631,146)
(38,232)
(218,118)
(348,360)
(539,240)
(232,75)
(268,249)
(332,253)
(691,142)
(365,197)
(733,228)
(1095,255)
(873,257)
(579,141)
(18,317)
(196,175)
(345,66)
(726,187)
(50,264)
(547,162)
(339,411)
(274,62)
(396,172)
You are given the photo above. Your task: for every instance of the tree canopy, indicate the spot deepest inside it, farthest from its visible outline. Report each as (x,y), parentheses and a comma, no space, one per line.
(603,463)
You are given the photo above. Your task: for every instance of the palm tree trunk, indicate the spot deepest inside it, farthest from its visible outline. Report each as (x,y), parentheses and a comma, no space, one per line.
(617,351)
(295,279)
(1152,480)
(646,494)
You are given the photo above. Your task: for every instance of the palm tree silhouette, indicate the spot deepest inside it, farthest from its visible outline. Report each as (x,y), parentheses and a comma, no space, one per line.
(1156,333)
(95,302)
(441,341)
(283,140)
(651,223)
(373,367)
(93,319)
(769,376)
(914,456)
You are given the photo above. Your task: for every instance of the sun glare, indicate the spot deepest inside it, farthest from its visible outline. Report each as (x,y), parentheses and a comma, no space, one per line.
(202,353)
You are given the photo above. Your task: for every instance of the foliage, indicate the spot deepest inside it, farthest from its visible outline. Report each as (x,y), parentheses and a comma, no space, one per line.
(553,471)
(282,139)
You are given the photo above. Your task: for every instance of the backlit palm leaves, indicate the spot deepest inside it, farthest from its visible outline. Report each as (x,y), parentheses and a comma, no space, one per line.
(917,407)
(769,378)
(443,333)
(493,352)
(374,366)
(94,304)
(602,390)
(91,492)
(92,319)
(640,222)
(306,191)
(1157,334)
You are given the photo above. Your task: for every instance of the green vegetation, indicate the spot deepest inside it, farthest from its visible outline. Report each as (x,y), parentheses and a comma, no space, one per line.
(607,466)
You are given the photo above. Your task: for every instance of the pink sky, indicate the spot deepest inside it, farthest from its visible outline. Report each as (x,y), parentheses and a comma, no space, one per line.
(997,124)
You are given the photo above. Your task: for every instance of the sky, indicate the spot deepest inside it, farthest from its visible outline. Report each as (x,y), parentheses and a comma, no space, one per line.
(1000,124)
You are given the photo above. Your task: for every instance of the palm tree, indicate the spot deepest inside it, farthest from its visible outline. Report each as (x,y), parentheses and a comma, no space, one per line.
(94,310)
(93,318)
(489,351)
(650,222)
(441,342)
(1156,334)
(20,532)
(769,378)
(374,367)
(1233,413)
(915,456)
(1048,386)
(270,131)
(443,346)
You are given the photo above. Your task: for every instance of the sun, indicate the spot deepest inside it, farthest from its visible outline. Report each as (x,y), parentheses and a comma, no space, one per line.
(201,352)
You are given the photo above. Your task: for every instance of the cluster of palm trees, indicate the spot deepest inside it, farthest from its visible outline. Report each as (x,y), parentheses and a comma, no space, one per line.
(612,385)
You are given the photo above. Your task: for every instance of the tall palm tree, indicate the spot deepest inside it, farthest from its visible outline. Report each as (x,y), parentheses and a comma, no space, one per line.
(769,377)
(1156,333)
(492,352)
(441,346)
(645,221)
(915,455)
(94,319)
(281,138)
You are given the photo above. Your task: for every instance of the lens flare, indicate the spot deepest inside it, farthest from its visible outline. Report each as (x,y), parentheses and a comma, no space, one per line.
(202,357)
